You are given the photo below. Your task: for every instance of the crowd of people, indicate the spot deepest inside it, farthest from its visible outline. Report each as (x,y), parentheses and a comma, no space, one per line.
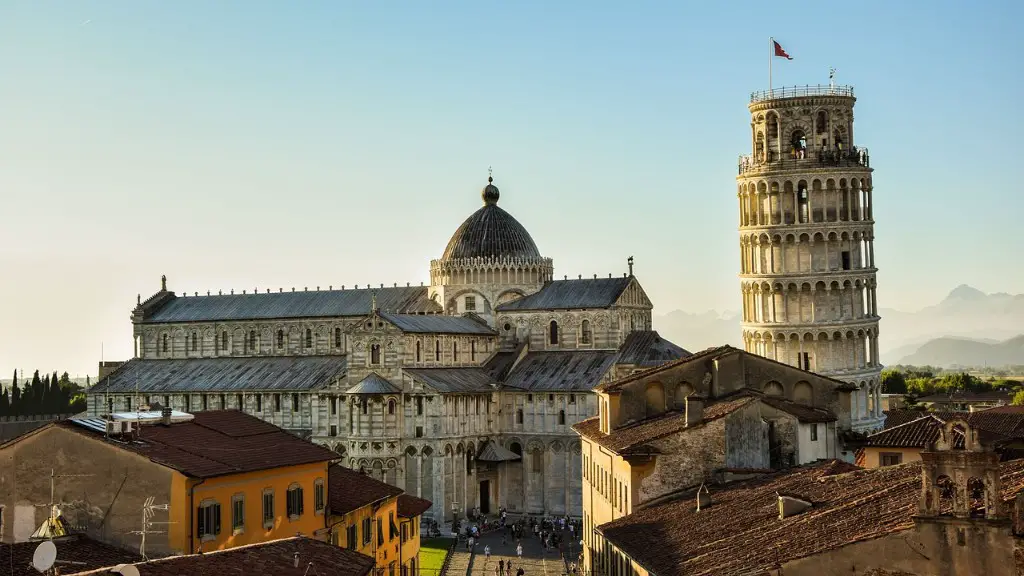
(550,532)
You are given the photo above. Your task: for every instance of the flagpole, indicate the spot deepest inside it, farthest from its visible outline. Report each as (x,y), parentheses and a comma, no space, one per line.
(771,54)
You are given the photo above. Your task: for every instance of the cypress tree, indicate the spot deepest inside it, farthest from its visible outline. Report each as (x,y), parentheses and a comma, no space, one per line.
(53,396)
(15,400)
(5,403)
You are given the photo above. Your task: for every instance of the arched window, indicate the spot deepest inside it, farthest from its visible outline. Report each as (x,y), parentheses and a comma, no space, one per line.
(437,350)
(801,198)
(976,495)
(946,489)
(654,396)
(455,351)
(821,124)
(365,407)
(519,416)
(391,407)
(774,389)
(585,335)
(803,393)
(553,333)
(309,338)
(280,338)
(375,354)
(419,351)
(252,340)
(561,417)
(195,342)
(516,449)
(165,342)
(337,337)
(224,340)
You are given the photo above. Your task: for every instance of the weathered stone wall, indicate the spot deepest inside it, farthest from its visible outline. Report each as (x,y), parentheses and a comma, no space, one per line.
(685,460)
(107,504)
(746,439)
(947,547)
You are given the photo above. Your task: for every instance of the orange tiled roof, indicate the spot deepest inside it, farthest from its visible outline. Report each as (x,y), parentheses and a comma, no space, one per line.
(349,490)
(740,532)
(632,436)
(216,443)
(410,506)
(276,557)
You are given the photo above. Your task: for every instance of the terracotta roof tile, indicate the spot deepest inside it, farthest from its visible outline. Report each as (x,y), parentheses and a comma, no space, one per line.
(622,440)
(348,490)
(276,557)
(918,433)
(90,553)
(802,412)
(216,443)
(410,506)
(897,417)
(740,533)
(705,355)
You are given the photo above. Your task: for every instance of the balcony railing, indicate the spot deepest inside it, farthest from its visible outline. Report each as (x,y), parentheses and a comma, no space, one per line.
(804,159)
(796,91)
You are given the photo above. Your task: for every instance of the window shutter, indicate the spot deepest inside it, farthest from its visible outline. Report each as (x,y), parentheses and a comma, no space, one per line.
(299,501)
(201,528)
(216,518)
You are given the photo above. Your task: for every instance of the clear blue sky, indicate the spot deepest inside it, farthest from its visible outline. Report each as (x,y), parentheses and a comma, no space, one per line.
(266,144)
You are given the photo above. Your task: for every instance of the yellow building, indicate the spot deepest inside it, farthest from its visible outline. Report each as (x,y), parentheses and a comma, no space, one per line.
(375,519)
(410,512)
(216,479)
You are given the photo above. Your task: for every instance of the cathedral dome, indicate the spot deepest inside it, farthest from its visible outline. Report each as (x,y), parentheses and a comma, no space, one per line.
(490,232)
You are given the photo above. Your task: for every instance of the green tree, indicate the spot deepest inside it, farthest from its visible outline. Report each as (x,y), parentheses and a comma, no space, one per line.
(1018,398)
(893,382)
(54,399)
(15,399)
(5,403)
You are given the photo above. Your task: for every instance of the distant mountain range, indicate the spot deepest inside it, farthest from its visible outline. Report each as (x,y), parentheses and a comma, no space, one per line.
(949,351)
(968,327)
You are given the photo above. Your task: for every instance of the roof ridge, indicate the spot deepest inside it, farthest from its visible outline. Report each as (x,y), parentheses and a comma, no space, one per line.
(907,424)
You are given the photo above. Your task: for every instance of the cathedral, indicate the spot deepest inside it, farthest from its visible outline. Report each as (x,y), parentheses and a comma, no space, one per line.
(462,392)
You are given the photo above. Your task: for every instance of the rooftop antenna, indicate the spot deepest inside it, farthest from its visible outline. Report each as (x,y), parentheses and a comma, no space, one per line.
(53,483)
(148,511)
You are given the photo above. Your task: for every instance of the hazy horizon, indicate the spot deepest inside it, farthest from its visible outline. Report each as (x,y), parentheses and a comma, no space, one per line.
(343,143)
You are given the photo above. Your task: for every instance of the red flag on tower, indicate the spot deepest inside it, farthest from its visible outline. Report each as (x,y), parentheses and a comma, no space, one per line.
(780,52)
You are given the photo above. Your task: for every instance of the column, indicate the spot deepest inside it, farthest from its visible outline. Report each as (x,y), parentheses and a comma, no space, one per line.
(419,475)
(443,508)
(871,252)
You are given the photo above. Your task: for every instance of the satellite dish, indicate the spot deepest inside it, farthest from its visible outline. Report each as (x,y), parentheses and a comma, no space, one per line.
(125,570)
(44,556)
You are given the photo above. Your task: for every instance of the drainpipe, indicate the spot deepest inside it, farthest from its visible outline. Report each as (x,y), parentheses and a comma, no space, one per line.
(191,516)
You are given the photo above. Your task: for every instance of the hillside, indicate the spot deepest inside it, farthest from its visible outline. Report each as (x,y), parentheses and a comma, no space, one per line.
(950,351)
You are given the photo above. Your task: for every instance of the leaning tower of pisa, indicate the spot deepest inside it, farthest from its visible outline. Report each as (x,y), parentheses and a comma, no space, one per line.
(807,241)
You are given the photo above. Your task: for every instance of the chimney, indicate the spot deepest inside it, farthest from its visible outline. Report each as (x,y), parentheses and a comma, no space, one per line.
(694,409)
(790,506)
(165,416)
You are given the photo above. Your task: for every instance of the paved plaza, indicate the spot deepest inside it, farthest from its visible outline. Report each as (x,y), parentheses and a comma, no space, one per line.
(535,560)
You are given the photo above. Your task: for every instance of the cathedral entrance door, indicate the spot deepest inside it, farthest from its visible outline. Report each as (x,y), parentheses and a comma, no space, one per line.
(485,496)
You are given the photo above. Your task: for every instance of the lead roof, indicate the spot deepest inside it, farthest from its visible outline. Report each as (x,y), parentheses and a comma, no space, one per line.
(437,324)
(374,384)
(647,348)
(568,371)
(491,232)
(234,374)
(285,305)
(572,294)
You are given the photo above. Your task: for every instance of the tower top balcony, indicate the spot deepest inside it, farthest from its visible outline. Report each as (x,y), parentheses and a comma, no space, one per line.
(801,92)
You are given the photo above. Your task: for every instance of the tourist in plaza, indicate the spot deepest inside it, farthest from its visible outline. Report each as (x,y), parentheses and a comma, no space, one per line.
(487,552)
(519,551)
